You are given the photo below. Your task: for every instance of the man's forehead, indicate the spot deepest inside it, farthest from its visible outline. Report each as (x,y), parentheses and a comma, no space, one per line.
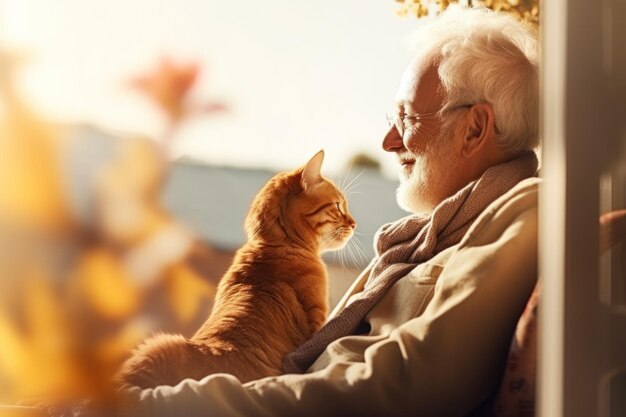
(420,85)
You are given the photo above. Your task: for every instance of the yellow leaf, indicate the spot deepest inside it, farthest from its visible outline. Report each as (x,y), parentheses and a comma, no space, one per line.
(187,291)
(12,356)
(109,290)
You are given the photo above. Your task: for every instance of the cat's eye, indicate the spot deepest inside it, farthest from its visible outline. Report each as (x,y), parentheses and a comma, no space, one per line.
(339,208)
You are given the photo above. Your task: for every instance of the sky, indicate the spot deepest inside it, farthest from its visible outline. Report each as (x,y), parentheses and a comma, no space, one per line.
(297,76)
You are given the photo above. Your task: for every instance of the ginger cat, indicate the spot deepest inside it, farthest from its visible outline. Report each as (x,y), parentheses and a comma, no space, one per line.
(274,295)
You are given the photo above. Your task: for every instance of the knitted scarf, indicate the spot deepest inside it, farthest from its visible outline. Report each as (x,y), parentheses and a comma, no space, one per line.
(404,244)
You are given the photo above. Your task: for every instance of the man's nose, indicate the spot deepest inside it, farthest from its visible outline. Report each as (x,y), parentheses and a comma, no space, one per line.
(392,141)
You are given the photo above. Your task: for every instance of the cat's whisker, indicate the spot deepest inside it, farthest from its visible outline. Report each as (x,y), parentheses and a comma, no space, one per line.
(352,255)
(357,245)
(340,253)
(360,249)
(343,254)
(330,236)
(347,189)
(359,253)
(330,233)
(352,192)
(356,177)
(344,263)
(345,178)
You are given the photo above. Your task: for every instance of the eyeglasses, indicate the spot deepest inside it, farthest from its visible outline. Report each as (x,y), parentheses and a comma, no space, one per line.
(399,121)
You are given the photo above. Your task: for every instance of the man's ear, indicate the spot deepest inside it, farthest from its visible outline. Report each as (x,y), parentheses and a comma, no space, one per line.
(481,129)
(312,171)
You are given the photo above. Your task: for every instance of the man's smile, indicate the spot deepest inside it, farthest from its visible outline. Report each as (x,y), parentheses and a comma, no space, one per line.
(406,161)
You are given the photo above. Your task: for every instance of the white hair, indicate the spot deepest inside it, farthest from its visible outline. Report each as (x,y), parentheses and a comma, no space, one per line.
(488,57)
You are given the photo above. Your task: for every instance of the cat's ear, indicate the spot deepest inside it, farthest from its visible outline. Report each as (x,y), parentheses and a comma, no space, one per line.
(312,171)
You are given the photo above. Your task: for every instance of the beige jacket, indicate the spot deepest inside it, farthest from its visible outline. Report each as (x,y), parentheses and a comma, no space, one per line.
(437,346)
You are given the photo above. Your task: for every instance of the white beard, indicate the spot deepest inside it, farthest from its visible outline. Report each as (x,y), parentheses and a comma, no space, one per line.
(420,189)
(410,192)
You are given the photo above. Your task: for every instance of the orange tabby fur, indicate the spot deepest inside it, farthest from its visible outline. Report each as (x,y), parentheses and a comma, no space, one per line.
(272,298)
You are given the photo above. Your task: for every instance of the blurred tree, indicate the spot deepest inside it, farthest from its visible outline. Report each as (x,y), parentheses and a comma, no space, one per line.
(168,85)
(77,294)
(527,10)
(30,184)
(365,161)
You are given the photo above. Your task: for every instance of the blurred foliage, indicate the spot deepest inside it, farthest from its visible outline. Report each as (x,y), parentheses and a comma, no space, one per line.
(77,296)
(365,161)
(527,10)
(168,86)
(27,194)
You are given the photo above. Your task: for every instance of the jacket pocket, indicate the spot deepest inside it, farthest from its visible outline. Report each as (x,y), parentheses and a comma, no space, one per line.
(425,274)
(405,300)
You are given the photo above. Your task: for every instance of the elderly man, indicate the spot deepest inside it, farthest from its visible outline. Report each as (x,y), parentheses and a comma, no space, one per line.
(425,329)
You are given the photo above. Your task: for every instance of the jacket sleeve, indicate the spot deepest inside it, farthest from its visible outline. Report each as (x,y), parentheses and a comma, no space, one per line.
(444,362)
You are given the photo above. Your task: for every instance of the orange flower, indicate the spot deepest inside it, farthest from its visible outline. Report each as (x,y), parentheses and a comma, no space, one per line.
(169,85)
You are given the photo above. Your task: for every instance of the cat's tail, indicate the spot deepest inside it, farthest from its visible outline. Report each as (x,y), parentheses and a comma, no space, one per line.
(164,359)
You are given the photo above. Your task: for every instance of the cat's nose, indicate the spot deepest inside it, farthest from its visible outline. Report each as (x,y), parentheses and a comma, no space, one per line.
(352,224)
